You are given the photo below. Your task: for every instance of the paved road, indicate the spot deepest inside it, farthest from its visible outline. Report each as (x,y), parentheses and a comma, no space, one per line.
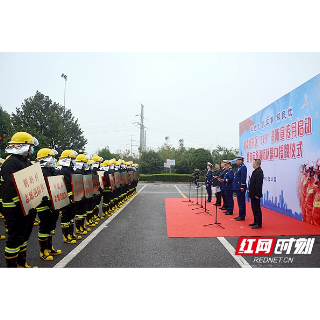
(136,237)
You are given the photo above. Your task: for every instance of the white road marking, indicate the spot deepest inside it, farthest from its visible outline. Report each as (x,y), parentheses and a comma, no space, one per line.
(77,249)
(241,261)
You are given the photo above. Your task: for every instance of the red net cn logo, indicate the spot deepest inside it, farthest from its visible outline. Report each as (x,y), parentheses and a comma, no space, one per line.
(255,246)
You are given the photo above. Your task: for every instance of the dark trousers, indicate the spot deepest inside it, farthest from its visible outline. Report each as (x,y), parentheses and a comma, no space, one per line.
(256,210)
(224,204)
(68,213)
(229,200)
(19,226)
(48,221)
(241,203)
(209,191)
(218,198)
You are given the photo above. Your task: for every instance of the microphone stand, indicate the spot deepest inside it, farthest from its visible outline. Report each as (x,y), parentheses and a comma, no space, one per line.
(197,199)
(189,194)
(217,223)
(205,205)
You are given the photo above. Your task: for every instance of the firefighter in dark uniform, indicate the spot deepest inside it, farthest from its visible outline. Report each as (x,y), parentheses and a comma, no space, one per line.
(19,226)
(227,187)
(66,164)
(47,214)
(106,198)
(240,187)
(208,181)
(96,198)
(90,203)
(2,237)
(80,168)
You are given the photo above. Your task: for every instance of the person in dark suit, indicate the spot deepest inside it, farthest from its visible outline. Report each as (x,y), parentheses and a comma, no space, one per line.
(227,186)
(208,181)
(240,187)
(255,193)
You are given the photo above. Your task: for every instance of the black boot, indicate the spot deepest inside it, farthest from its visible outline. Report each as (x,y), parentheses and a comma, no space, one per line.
(44,249)
(71,232)
(66,236)
(11,262)
(53,252)
(22,259)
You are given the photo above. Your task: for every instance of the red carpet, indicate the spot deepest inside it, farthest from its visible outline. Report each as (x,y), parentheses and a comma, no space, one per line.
(184,222)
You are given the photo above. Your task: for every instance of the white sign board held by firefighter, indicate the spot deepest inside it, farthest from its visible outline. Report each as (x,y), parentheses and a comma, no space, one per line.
(88,185)
(58,192)
(96,183)
(77,187)
(30,186)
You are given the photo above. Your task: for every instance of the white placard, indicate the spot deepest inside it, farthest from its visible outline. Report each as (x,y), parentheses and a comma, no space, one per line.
(58,192)
(31,187)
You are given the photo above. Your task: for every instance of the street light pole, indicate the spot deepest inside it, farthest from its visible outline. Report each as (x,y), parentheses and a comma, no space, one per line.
(65,85)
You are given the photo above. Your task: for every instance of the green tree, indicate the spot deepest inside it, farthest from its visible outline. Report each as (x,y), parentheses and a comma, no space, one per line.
(150,162)
(223,153)
(183,163)
(52,124)
(105,153)
(5,126)
(199,158)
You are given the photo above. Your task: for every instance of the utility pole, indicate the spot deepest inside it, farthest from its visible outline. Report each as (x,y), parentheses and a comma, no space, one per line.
(143,145)
(132,145)
(65,85)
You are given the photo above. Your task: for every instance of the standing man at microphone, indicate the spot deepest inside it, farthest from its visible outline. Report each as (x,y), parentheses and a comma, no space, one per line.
(240,187)
(208,181)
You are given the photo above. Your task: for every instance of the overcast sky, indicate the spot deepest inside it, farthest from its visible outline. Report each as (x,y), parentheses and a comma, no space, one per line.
(198,97)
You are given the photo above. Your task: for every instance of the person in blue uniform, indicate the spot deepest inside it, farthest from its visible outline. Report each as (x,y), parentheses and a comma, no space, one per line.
(208,181)
(227,187)
(240,187)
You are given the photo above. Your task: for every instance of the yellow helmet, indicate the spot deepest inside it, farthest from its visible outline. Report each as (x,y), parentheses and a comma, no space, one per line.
(90,162)
(45,152)
(68,154)
(96,159)
(23,137)
(82,157)
(106,163)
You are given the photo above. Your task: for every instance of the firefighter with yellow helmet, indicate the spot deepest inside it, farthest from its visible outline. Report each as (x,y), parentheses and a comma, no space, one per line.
(66,164)
(81,212)
(96,198)
(48,216)
(20,147)
(106,198)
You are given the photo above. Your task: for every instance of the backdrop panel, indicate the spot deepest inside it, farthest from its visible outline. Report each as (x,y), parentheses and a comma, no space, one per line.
(286,136)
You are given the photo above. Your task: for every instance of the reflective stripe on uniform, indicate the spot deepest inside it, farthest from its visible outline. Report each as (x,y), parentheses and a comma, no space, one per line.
(317,204)
(12,250)
(43,235)
(8,204)
(41,209)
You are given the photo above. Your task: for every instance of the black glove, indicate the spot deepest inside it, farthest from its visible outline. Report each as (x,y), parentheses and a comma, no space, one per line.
(53,210)
(45,202)
(33,211)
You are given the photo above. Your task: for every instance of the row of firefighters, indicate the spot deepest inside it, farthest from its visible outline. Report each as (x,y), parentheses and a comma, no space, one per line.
(77,218)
